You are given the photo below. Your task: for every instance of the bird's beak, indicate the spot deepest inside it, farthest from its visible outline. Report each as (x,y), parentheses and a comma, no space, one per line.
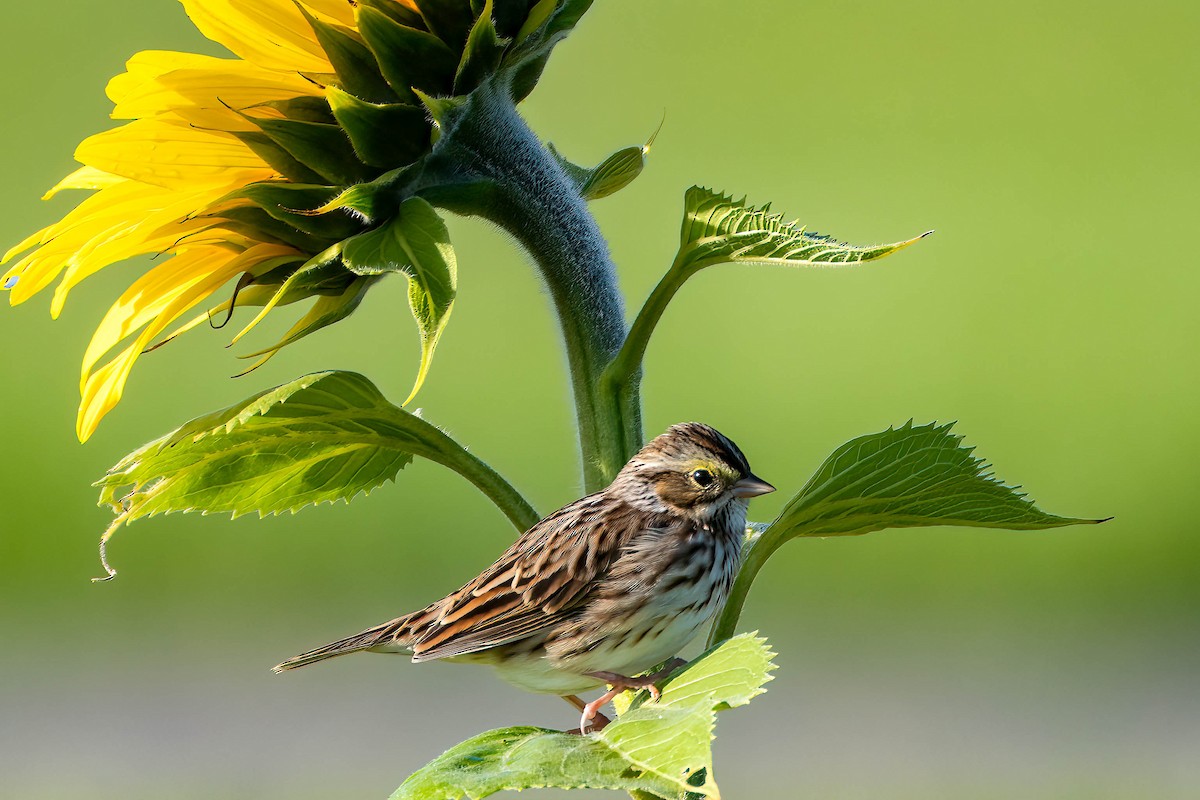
(752,486)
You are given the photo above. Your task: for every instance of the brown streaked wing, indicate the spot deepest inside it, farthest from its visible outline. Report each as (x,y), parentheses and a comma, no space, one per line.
(539,581)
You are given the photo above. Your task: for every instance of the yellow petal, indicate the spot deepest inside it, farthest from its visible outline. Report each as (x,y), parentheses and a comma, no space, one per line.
(117,246)
(149,296)
(341,11)
(269,33)
(84,178)
(63,238)
(173,155)
(37,237)
(103,389)
(154,291)
(124,197)
(223,85)
(149,64)
(123,220)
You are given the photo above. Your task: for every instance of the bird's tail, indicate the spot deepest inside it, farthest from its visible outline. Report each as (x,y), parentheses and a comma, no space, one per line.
(388,636)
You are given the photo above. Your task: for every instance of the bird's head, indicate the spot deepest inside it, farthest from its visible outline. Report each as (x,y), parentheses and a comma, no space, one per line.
(693,470)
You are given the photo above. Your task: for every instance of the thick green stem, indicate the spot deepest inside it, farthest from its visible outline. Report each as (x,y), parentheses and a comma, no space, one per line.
(532,198)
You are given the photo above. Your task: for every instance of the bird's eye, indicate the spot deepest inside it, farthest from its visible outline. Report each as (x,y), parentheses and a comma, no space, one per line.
(702,477)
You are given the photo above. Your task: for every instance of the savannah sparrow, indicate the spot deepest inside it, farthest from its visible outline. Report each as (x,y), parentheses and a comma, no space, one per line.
(602,589)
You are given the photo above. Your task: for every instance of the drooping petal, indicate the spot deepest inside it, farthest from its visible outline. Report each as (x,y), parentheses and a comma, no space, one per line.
(123,220)
(35,238)
(150,294)
(115,246)
(60,241)
(102,389)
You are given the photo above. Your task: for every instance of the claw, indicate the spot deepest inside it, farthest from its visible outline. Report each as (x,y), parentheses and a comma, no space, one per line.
(595,722)
(588,720)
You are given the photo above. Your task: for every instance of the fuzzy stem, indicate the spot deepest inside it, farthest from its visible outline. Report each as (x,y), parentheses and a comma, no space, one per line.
(533,199)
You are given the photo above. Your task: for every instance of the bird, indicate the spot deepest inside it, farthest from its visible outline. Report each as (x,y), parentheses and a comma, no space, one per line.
(603,589)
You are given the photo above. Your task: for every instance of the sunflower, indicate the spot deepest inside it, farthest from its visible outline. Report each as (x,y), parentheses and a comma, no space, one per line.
(230,167)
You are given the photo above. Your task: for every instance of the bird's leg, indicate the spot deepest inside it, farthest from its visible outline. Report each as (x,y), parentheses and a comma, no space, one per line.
(618,684)
(648,682)
(597,720)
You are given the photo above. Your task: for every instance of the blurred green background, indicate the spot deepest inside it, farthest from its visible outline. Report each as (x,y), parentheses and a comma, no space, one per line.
(1054,148)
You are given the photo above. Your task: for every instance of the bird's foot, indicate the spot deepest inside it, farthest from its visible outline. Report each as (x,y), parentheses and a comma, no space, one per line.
(620,683)
(595,723)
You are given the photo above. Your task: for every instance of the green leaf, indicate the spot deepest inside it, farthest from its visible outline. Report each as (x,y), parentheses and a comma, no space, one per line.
(662,748)
(509,15)
(482,53)
(373,201)
(443,110)
(908,477)
(257,223)
(667,744)
(409,58)
(416,243)
(384,136)
(306,107)
(719,229)
(321,438)
(726,676)
(538,14)
(614,173)
(549,21)
(529,758)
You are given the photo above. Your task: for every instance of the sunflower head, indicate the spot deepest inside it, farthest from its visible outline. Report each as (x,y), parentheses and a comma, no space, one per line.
(283,173)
